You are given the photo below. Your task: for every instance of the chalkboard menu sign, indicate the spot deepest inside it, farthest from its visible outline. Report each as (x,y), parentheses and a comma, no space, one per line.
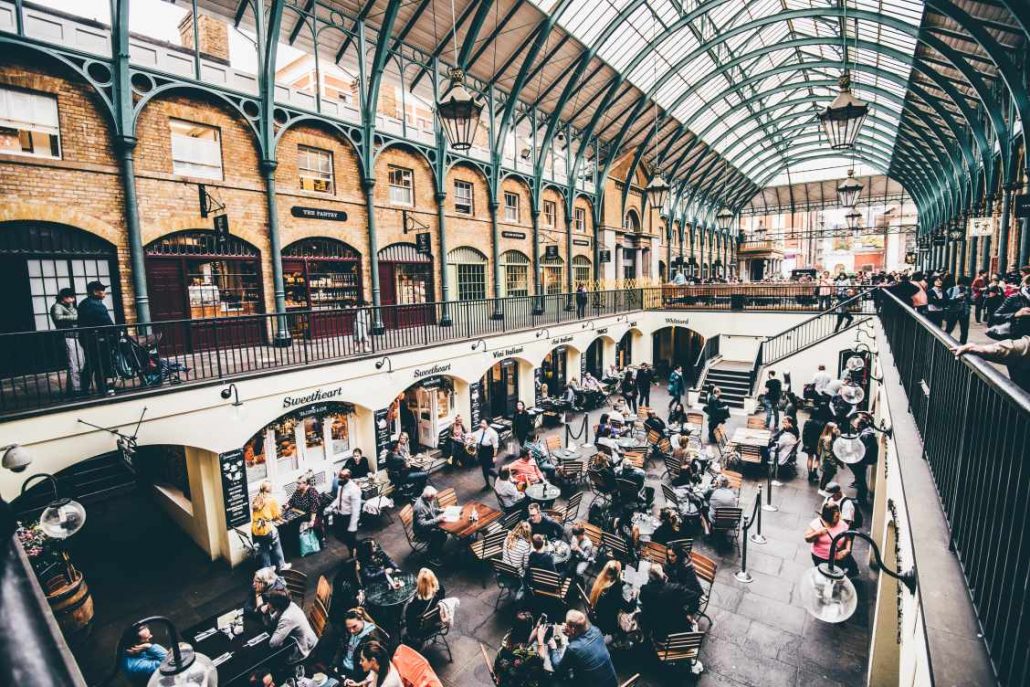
(382,431)
(582,366)
(422,244)
(551,252)
(234,488)
(476,402)
(538,380)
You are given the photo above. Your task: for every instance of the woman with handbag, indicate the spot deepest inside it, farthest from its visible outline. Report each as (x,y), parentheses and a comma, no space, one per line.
(828,462)
(612,612)
(264,514)
(307,500)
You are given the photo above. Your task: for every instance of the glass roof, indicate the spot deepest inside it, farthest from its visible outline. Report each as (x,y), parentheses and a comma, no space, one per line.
(720,67)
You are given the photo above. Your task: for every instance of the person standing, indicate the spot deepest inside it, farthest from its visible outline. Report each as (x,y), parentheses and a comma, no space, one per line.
(628,387)
(645,378)
(96,343)
(936,302)
(844,316)
(958,309)
(265,512)
(65,317)
(824,291)
(675,385)
(773,391)
(487,443)
(456,442)
(979,285)
(521,423)
(361,340)
(718,412)
(828,462)
(820,535)
(348,509)
(581,301)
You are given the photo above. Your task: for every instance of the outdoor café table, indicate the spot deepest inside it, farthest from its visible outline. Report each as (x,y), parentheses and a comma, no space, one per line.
(745,436)
(543,493)
(635,577)
(389,600)
(237,656)
(463,528)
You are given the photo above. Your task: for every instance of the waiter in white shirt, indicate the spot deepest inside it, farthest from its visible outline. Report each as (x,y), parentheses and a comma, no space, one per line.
(487,442)
(820,381)
(347,509)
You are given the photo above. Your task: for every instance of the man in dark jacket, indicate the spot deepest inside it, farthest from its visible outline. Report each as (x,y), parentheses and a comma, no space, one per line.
(96,343)
(663,605)
(645,378)
(581,301)
(585,658)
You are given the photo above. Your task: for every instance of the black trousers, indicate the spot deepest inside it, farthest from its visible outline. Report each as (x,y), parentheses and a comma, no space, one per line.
(346,536)
(843,317)
(962,320)
(644,395)
(486,462)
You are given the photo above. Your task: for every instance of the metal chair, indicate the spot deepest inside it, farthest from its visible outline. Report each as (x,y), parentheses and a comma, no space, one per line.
(616,546)
(569,512)
(509,580)
(705,568)
(548,585)
(490,546)
(431,629)
(407,515)
(727,520)
(679,648)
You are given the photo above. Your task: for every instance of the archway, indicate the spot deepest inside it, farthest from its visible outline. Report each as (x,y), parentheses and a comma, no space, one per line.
(322,275)
(624,350)
(467,270)
(553,373)
(499,390)
(593,359)
(674,345)
(427,409)
(406,280)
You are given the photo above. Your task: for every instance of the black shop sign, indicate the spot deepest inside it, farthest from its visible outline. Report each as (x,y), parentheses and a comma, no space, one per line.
(422,244)
(1022,202)
(580,242)
(551,252)
(234,488)
(380,417)
(538,380)
(606,256)
(513,234)
(475,402)
(318,213)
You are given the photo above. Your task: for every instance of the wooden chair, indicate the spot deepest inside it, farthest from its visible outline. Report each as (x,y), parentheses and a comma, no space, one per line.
(722,442)
(324,592)
(735,478)
(686,543)
(490,546)
(655,552)
(634,458)
(671,499)
(696,418)
(552,444)
(727,520)
(653,437)
(570,472)
(673,467)
(679,648)
(318,616)
(756,422)
(447,498)
(296,585)
(705,569)
(665,446)
(594,534)
(629,493)
(489,663)
(407,515)
(569,512)
(547,584)
(508,578)
(616,546)
(598,486)
(432,629)
(750,455)
(513,518)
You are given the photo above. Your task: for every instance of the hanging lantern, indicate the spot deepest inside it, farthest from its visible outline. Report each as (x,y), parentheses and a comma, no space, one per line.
(657,191)
(848,190)
(759,232)
(843,118)
(459,112)
(854,220)
(957,231)
(724,219)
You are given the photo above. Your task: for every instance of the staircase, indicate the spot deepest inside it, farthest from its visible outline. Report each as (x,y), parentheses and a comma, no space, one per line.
(89,482)
(734,382)
(814,330)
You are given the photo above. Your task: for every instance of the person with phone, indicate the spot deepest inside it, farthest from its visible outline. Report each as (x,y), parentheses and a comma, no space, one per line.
(584,657)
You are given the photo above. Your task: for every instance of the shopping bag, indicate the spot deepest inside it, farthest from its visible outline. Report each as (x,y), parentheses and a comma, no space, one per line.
(309,542)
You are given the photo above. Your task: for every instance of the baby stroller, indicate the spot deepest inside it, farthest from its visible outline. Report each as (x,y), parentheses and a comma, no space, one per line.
(135,357)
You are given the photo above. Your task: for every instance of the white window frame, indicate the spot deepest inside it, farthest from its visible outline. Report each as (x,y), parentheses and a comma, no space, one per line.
(315,179)
(34,119)
(580,219)
(550,213)
(402,185)
(461,201)
(511,206)
(196,156)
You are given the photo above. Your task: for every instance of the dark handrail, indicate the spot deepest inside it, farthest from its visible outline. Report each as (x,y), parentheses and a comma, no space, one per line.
(776,346)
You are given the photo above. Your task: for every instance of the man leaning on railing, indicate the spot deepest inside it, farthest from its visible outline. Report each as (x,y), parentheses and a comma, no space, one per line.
(1013,353)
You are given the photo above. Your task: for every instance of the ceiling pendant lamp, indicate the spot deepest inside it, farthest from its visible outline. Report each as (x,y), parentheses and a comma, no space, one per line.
(848,190)
(854,219)
(843,118)
(724,219)
(459,112)
(657,191)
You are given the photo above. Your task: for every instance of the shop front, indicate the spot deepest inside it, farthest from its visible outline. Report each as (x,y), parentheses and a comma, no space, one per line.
(672,346)
(554,274)
(425,410)
(594,358)
(515,266)
(322,275)
(500,389)
(467,272)
(201,275)
(554,371)
(312,438)
(37,260)
(624,350)
(406,280)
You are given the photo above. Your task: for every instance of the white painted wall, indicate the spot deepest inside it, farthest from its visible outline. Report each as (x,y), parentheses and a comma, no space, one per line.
(739,348)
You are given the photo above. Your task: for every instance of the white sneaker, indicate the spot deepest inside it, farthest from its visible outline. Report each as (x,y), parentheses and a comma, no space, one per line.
(696,668)
(285,566)
(823,493)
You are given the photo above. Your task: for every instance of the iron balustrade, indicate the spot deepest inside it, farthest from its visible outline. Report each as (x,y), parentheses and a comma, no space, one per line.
(816,329)
(975,428)
(708,351)
(784,297)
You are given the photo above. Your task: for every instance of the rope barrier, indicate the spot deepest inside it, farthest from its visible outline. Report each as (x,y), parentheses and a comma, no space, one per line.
(756,514)
(583,433)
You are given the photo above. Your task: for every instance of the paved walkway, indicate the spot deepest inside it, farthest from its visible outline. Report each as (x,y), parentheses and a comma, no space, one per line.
(138,563)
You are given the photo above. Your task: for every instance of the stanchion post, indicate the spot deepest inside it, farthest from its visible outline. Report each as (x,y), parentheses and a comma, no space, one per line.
(768,493)
(743,575)
(775,471)
(757,537)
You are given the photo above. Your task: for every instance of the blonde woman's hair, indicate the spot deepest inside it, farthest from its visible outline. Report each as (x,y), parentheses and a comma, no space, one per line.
(427,585)
(259,502)
(265,487)
(609,575)
(520,531)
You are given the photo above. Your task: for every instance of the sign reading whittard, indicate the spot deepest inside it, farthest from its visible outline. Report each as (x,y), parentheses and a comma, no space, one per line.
(318,395)
(434,370)
(676,320)
(513,234)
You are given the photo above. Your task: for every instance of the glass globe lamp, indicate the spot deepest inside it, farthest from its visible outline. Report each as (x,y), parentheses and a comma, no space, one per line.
(852,393)
(190,670)
(849,448)
(855,364)
(827,594)
(62,518)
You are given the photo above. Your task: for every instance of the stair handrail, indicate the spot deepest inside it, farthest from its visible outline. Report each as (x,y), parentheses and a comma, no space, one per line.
(709,351)
(831,312)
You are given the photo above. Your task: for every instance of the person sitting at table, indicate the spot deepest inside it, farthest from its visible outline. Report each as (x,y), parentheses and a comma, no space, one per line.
(290,623)
(428,594)
(662,605)
(624,526)
(141,656)
(401,473)
(508,494)
(677,414)
(590,382)
(347,591)
(608,599)
(540,557)
(601,464)
(679,568)
(781,442)
(544,524)
(524,470)
(681,453)
(381,672)
(359,465)
(404,445)
(517,663)
(670,527)
(308,501)
(584,658)
(655,423)
(265,581)
(583,552)
(361,630)
(517,547)
(720,496)
(373,562)
(428,516)
(604,428)
(612,373)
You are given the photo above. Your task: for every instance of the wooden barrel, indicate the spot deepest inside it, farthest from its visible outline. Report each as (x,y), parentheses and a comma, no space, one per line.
(72,605)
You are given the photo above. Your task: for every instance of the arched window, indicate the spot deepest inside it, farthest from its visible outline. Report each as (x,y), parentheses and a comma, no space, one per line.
(467,268)
(516,273)
(581,270)
(554,269)
(631,222)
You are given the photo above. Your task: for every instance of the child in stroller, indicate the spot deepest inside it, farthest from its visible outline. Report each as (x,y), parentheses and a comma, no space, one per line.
(136,357)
